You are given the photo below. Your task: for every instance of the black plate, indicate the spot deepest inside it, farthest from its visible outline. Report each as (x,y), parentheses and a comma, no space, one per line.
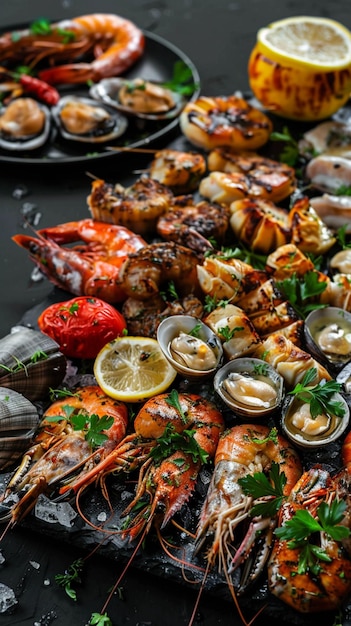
(156,64)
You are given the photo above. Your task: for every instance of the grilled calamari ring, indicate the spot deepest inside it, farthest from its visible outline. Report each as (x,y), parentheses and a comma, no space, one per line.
(224,121)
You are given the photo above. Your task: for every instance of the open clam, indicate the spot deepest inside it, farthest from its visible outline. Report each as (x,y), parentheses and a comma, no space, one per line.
(140,98)
(18,421)
(328,336)
(308,432)
(24,125)
(191,347)
(85,120)
(30,363)
(250,387)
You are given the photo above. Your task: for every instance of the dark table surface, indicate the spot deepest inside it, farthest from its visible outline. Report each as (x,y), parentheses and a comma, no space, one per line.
(217,35)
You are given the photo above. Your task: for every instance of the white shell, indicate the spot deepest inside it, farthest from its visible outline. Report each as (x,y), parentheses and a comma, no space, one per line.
(307,436)
(328,336)
(242,385)
(119,126)
(107,91)
(171,328)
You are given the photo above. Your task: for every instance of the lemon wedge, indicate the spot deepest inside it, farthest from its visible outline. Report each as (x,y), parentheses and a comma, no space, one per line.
(313,42)
(132,369)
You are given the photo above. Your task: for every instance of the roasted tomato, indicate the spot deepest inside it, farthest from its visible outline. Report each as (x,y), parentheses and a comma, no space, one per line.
(82,326)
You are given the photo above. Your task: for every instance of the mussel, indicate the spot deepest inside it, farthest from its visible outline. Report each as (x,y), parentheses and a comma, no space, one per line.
(191,347)
(328,336)
(250,387)
(30,363)
(140,98)
(24,125)
(85,120)
(19,419)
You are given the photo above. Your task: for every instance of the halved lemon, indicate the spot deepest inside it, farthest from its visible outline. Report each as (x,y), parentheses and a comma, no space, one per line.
(300,67)
(133,369)
(313,42)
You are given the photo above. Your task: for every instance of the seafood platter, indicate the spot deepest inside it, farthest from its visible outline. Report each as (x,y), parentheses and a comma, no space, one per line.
(72,104)
(187,391)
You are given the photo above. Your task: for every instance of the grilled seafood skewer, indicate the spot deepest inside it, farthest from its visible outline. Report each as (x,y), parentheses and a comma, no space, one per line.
(59,450)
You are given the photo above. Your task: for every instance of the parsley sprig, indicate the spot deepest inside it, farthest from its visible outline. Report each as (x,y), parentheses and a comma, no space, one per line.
(301,291)
(71,575)
(92,424)
(321,396)
(300,529)
(182,80)
(269,490)
(290,151)
(172,441)
(173,400)
(98,619)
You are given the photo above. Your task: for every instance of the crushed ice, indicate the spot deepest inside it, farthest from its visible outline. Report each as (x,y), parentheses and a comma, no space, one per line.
(7,598)
(53,513)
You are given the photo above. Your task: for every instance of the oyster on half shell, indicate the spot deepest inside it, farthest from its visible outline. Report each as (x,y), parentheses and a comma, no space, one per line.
(140,98)
(250,387)
(85,120)
(24,125)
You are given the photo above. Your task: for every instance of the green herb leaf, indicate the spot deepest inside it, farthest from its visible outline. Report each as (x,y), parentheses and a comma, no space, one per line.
(259,486)
(92,425)
(97,619)
(71,575)
(182,80)
(290,152)
(228,333)
(320,396)
(195,332)
(300,291)
(171,441)
(173,400)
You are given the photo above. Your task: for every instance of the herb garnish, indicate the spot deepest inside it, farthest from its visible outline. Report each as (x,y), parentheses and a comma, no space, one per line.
(182,80)
(228,333)
(97,619)
(270,489)
(258,261)
(71,575)
(171,441)
(173,400)
(290,152)
(320,396)
(195,332)
(212,303)
(92,425)
(299,291)
(301,527)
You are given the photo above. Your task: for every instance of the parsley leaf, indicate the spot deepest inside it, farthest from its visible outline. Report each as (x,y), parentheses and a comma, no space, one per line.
(320,396)
(93,425)
(71,575)
(290,152)
(259,486)
(300,291)
(182,80)
(173,400)
(172,441)
(98,619)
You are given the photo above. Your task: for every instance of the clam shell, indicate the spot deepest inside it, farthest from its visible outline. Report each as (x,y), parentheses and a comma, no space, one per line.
(119,126)
(171,327)
(19,419)
(31,142)
(107,91)
(336,425)
(249,367)
(338,321)
(22,371)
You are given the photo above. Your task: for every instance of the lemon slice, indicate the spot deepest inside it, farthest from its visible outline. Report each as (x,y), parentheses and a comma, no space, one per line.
(314,42)
(132,369)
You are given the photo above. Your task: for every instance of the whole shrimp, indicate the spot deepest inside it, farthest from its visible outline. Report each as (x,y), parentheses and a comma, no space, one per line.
(327,585)
(90,269)
(113,43)
(60,450)
(167,471)
(143,273)
(242,450)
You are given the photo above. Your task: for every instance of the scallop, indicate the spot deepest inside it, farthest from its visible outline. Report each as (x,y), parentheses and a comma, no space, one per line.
(141,98)
(24,125)
(84,120)
(312,432)
(328,336)
(250,387)
(191,347)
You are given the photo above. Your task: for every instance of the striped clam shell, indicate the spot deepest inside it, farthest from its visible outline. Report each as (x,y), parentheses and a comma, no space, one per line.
(19,419)
(31,363)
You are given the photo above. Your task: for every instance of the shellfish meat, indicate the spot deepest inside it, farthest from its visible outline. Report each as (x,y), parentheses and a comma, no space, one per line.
(24,125)
(83,119)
